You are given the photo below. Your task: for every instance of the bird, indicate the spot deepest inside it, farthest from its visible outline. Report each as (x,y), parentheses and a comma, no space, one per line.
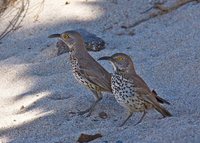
(86,70)
(130,90)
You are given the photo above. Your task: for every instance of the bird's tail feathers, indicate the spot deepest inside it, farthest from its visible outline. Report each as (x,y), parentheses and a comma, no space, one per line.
(163,111)
(159,99)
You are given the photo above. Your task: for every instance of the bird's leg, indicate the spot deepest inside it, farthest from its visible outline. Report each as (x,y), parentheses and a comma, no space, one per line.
(93,106)
(144,113)
(98,97)
(130,114)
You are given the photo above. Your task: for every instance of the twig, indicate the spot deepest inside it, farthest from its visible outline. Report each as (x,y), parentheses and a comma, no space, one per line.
(162,10)
(152,7)
(38,7)
(17,19)
(19,16)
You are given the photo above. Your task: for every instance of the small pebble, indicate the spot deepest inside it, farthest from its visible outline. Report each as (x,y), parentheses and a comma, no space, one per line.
(103,115)
(22,107)
(66,3)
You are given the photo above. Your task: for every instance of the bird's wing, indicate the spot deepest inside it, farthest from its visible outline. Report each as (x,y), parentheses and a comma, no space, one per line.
(139,82)
(146,95)
(96,74)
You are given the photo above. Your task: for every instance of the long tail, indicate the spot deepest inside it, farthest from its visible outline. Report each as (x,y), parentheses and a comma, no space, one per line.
(163,111)
(150,98)
(159,107)
(159,99)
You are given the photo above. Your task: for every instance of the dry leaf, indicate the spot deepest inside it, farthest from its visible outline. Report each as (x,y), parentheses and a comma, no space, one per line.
(87,138)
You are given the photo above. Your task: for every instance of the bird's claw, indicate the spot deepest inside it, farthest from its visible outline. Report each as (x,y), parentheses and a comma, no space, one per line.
(84,112)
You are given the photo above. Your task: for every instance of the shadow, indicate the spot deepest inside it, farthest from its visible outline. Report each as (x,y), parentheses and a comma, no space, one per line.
(44,92)
(40,94)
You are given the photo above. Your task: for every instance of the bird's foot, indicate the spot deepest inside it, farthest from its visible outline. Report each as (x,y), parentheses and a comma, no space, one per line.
(87,111)
(120,125)
(137,123)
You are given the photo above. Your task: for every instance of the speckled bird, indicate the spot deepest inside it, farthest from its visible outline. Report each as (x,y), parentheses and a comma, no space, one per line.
(130,90)
(85,68)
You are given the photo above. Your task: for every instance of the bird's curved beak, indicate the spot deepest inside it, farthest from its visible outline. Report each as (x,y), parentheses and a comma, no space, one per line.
(110,59)
(54,36)
(105,58)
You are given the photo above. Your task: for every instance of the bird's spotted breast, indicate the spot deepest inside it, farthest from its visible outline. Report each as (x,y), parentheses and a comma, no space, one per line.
(78,75)
(124,93)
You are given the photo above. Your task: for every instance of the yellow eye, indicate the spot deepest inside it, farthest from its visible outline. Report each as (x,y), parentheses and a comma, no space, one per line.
(65,36)
(120,58)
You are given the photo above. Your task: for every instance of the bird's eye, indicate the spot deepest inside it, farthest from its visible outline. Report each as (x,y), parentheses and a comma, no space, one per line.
(65,36)
(120,58)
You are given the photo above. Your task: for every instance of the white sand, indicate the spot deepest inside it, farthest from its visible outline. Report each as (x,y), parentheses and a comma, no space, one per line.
(166,53)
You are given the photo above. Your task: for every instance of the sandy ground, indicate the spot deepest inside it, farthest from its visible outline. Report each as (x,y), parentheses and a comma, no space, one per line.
(38,92)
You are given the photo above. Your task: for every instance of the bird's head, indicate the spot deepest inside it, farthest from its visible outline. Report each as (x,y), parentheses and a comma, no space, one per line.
(120,61)
(70,38)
